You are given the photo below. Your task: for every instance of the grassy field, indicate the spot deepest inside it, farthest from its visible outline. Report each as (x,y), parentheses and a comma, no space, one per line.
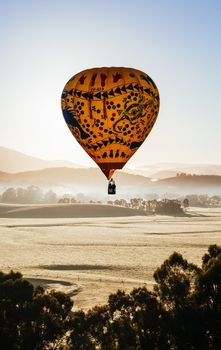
(92,257)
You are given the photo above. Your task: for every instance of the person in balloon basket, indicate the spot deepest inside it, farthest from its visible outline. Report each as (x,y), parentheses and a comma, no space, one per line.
(111,187)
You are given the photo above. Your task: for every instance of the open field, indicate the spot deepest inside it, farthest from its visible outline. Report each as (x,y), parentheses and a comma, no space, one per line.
(91,257)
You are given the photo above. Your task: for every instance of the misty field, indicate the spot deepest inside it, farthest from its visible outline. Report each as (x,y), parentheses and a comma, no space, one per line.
(92,257)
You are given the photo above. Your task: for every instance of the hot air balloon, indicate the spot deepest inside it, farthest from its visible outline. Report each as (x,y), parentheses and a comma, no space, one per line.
(110,111)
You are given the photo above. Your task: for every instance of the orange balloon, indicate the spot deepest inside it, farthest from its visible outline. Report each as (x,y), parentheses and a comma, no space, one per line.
(110,112)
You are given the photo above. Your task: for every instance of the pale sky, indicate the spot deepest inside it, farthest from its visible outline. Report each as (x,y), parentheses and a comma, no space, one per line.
(178,43)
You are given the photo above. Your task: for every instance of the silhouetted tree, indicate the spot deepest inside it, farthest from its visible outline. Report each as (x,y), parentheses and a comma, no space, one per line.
(186,203)
(183,311)
(50,197)
(127,322)
(30,318)
(208,296)
(33,194)
(174,288)
(168,207)
(9,195)
(21,195)
(175,280)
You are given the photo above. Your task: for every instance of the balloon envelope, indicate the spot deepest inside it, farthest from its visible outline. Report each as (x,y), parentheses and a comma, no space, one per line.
(110,112)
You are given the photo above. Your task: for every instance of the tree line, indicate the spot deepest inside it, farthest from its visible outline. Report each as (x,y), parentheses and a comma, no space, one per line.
(183,311)
(151,207)
(34,194)
(203,200)
(151,203)
(28,195)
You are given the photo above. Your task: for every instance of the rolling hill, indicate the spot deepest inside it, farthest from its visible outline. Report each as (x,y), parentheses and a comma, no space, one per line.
(66,211)
(12,161)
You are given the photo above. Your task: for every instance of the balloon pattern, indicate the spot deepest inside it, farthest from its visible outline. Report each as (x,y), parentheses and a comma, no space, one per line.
(110,111)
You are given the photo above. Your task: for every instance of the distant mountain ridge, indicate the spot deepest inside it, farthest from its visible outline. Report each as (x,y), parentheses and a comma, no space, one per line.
(192,180)
(91,181)
(12,161)
(166,170)
(69,176)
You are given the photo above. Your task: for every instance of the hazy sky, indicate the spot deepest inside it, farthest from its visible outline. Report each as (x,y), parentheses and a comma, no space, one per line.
(178,43)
